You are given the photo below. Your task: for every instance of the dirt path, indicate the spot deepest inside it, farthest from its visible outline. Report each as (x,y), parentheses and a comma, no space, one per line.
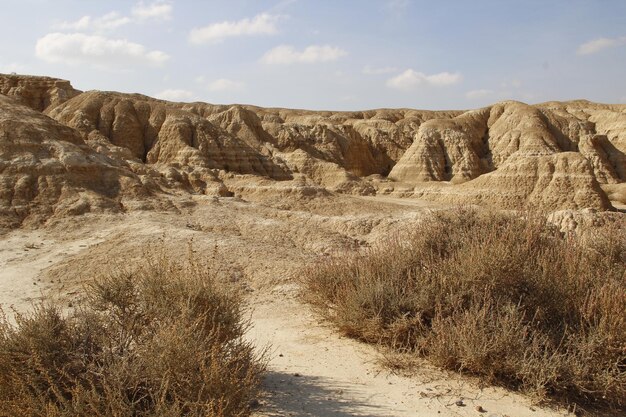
(24,254)
(313,371)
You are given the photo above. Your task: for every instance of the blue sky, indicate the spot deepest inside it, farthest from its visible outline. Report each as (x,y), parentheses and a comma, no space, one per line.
(318,54)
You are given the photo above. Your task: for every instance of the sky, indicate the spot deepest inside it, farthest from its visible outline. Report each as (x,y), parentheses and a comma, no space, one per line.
(324,54)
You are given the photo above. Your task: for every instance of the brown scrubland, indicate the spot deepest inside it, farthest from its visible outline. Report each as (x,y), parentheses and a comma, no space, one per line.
(511,299)
(161,339)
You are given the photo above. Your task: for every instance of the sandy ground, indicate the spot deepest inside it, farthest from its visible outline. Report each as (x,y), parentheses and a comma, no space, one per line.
(24,255)
(313,371)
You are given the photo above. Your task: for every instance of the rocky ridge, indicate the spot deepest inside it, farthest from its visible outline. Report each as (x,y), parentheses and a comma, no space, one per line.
(47,169)
(38,93)
(100,150)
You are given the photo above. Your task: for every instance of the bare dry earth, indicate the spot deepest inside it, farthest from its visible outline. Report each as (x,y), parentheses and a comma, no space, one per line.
(313,371)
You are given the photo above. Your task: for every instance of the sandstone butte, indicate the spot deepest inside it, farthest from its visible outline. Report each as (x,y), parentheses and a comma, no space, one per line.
(66,152)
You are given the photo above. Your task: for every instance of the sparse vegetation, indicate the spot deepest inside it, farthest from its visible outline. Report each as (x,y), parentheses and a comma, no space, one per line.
(510,299)
(161,340)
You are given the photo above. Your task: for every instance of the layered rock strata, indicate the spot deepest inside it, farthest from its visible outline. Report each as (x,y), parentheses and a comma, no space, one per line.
(60,146)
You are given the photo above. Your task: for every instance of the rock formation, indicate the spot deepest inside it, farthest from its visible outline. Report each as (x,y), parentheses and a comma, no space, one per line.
(38,93)
(66,151)
(46,169)
(548,182)
(157,133)
(521,151)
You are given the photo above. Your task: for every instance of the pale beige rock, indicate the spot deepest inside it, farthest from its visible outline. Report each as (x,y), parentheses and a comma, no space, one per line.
(446,150)
(157,132)
(515,155)
(617,194)
(38,93)
(46,169)
(340,147)
(550,182)
(552,155)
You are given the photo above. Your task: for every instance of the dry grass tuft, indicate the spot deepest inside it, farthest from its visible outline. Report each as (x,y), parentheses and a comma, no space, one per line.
(162,340)
(507,298)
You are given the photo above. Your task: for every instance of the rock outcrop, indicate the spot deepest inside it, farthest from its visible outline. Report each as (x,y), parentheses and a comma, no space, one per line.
(46,169)
(64,151)
(38,93)
(547,182)
(336,149)
(447,150)
(513,155)
(156,132)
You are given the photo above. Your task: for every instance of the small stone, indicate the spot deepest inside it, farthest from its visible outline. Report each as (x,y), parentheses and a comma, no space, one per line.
(254,403)
(460,403)
(480,409)
(297,374)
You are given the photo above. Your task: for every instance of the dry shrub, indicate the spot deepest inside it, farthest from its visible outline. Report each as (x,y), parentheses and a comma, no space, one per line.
(508,298)
(162,340)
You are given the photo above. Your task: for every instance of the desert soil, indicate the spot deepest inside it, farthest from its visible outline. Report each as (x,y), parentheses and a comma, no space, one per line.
(313,371)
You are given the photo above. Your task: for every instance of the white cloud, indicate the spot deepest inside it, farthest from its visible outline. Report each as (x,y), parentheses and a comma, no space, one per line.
(159,10)
(109,21)
(599,44)
(175,95)
(482,93)
(285,54)
(83,23)
(224,84)
(411,78)
(262,24)
(95,50)
(367,70)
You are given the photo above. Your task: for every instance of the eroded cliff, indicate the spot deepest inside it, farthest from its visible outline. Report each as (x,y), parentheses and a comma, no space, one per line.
(60,147)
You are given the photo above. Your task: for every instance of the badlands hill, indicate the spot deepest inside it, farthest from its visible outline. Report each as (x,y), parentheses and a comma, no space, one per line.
(63,151)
